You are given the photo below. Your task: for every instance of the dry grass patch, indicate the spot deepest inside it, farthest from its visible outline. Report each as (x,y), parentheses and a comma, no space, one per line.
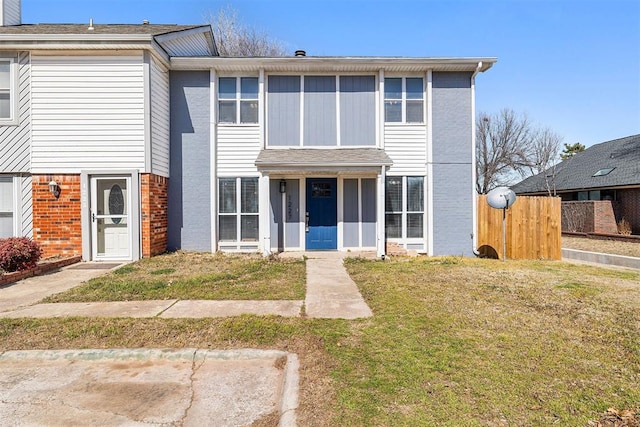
(189,275)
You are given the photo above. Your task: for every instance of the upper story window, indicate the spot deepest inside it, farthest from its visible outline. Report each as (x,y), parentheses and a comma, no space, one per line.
(238,100)
(7,90)
(404,100)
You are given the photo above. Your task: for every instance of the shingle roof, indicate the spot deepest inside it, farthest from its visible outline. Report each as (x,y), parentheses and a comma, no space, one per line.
(151,29)
(331,157)
(577,172)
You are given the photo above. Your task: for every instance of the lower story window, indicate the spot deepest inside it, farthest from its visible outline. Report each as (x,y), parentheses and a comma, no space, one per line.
(238,209)
(6,207)
(404,207)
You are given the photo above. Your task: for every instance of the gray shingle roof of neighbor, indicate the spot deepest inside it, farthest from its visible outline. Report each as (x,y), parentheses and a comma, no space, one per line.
(76,29)
(577,173)
(334,157)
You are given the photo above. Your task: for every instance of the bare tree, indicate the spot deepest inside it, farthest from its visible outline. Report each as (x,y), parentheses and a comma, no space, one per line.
(234,38)
(509,147)
(502,142)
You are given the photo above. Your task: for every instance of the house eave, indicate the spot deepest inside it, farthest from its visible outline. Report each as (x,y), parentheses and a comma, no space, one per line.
(345,64)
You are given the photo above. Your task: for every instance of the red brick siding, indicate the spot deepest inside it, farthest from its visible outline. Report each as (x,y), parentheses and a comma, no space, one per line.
(56,222)
(154,214)
(604,220)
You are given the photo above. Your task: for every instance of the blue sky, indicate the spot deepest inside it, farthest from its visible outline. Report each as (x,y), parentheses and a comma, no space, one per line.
(572,66)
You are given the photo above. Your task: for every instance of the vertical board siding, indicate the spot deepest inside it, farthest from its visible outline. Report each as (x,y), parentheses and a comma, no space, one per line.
(533,229)
(159,120)
(237,150)
(357,110)
(283,111)
(276,225)
(15,144)
(452,181)
(26,206)
(87,113)
(292,213)
(369,237)
(320,116)
(351,224)
(189,202)
(407,147)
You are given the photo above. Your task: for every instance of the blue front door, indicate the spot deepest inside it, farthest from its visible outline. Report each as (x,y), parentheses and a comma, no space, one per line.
(322,214)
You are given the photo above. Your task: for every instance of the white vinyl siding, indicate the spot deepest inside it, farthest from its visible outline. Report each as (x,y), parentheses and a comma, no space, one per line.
(87,113)
(10,12)
(238,147)
(159,120)
(15,139)
(407,147)
(25,206)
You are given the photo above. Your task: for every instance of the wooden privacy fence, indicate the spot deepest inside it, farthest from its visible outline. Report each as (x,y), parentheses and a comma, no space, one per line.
(533,229)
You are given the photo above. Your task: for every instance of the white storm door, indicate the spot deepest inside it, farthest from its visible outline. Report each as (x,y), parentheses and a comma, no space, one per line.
(110,218)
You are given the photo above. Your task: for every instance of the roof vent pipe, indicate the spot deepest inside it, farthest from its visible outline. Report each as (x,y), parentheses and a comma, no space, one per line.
(300,53)
(91,25)
(145,22)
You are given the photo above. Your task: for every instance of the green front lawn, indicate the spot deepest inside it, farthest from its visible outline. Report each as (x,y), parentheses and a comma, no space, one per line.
(457,342)
(189,275)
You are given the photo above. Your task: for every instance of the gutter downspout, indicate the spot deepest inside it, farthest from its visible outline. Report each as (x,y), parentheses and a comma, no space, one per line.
(474,232)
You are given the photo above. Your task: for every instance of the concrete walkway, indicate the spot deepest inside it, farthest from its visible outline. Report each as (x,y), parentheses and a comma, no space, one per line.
(330,294)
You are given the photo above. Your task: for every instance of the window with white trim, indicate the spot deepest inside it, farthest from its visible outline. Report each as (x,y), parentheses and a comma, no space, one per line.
(404,100)
(6,207)
(7,90)
(238,100)
(238,209)
(404,207)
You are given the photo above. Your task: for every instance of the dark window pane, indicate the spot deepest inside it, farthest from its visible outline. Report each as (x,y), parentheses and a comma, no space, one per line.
(415,112)
(228,230)
(321,190)
(249,196)
(227,88)
(249,228)
(415,194)
(393,88)
(393,226)
(414,88)
(392,111)
(227,196)
(414,225)
(249,88)
(227,112)
(249,112)
(393,190)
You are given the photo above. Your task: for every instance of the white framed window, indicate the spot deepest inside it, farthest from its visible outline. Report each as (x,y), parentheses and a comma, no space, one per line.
(238,100)
(404,207)
(404,100)
(8,89)
(7,207)
(238,209)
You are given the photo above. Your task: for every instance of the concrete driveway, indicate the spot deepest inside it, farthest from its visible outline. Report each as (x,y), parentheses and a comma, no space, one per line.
(146,387)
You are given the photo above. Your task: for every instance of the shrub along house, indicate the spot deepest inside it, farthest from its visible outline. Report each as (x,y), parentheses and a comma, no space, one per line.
(154,142)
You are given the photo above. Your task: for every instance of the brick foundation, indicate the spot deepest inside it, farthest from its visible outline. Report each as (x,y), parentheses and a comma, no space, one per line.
(153,200)
(56,222)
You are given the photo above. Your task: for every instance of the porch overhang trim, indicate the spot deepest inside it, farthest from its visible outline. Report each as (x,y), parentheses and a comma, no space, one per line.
(322,160)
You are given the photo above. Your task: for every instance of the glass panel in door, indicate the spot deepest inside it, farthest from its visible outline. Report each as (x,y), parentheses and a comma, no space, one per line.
(110,218)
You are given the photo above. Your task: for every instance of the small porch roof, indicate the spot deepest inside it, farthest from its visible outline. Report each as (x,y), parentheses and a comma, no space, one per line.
(332,160)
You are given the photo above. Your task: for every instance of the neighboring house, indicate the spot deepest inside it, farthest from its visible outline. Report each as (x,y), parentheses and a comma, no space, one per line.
(157,143)
(609,171)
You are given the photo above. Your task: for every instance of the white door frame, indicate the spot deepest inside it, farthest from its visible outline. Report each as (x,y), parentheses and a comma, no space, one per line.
(89,243)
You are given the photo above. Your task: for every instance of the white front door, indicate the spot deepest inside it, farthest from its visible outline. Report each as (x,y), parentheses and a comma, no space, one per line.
(110,218)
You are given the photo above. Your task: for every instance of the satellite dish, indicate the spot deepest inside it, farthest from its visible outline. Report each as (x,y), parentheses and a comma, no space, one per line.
(501,198)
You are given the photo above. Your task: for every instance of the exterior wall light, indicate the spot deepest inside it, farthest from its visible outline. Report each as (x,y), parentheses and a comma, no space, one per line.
(54,189)
(283,186)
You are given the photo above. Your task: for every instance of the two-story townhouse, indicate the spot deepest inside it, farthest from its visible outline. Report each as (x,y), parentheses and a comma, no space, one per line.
(330,153)
(84,133)
(155,142)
